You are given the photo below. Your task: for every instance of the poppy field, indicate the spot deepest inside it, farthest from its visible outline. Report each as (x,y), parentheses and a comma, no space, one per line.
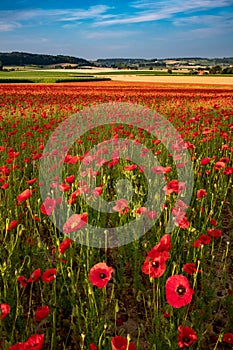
(156,289)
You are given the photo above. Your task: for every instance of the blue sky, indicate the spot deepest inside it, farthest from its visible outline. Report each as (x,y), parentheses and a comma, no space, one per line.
(106,28)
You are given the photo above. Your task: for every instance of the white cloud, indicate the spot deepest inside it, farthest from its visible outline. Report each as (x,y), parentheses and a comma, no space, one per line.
(56,15)
(157,10)
(8,26)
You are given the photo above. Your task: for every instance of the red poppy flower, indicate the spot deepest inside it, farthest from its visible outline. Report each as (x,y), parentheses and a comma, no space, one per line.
(4,310)
(204,239)
(130,167)
(205,161)
(32,181)
(155,264)
(121,206)
(228,171)
(5,186)
(213,222)
(152,214)
(35,275)
(75,222)
(48,206)
(74,196)
(201,193)
(214,232)
(64,245)
(182,222)
(12,225)
(190,268)
(174,186)
(100,274)
(164,245)
(196,244)
(141,210)
(24,196)
(186,336)
(22,280)
(35,342)
(93,346)
(120,343)
(63,187)
(97,191)
(161,170)
(219,165)
(18,346)
(69,179)
(228,338)
(178,291)
(41,312)
(49,275)
(166,314)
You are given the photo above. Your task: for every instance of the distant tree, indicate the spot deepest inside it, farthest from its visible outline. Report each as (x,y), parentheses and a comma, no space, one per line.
(227,70)
(169,71)
(151,68)
(216,70)
(1,65)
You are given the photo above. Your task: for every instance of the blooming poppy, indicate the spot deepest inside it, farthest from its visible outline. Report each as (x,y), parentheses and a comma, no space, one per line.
(97,191)
(181,222)
(190,268)
(178,291)
(155,264)
(75,222)
(5,186)
(100,274)
(201,193)
(24,196)
(93,346)
(32,181)
(12,225)
(205,161)
(213,222)
(214,232)
(18,346)
(121,206)
(35,275)
(130,167)
(120,343)
(228,171)
(35,342)
(219,165)
(174,186)
(74,196)
(4,310)
(141,210)
(22,280)
(161,170)
(152,214)
(196,244)
(228,338)
(48,206)
(63,187)
(204,239)
(163,245)
(41,312)
(69,179)
(166,314)
(64,245)
(186,336)
(49,275)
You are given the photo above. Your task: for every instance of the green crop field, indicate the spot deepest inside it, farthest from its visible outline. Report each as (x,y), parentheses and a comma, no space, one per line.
(38,76)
